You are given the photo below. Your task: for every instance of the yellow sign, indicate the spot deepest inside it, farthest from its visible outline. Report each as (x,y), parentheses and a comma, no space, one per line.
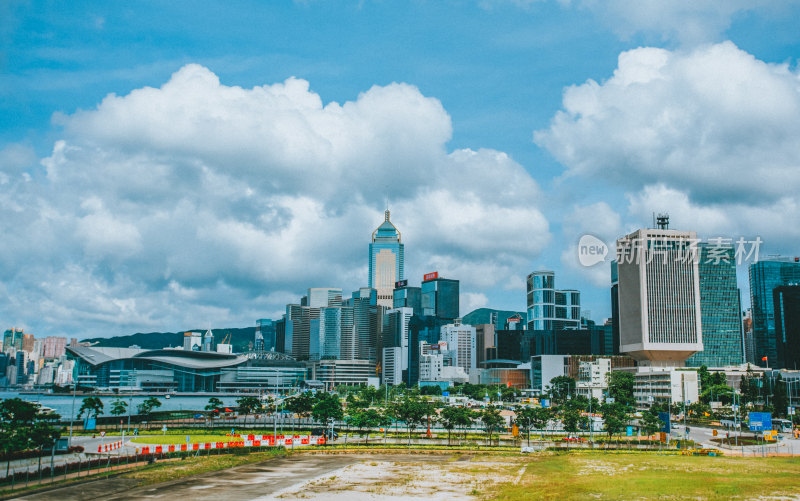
(515,431)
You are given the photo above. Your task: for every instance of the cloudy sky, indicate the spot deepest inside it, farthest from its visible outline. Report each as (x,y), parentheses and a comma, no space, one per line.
(171,165)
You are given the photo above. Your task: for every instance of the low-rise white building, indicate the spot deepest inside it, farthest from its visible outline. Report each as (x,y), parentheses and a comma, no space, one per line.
(674,385)
(593,378)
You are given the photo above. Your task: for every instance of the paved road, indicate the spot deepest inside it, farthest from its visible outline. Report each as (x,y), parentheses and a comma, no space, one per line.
(703,436)
(240,483)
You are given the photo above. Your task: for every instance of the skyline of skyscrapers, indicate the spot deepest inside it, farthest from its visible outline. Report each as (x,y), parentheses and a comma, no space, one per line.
(674,303)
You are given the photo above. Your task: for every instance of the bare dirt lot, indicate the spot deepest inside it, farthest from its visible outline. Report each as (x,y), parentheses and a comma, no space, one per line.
(388,476)
(310,477)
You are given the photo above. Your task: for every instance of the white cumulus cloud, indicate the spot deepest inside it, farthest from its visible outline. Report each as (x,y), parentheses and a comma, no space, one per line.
(710,135)
(199,203)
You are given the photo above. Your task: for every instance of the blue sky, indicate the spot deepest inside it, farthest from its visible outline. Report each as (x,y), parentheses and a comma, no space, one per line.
(169,165)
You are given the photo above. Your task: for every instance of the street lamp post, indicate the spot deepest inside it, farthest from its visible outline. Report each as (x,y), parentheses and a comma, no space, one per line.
(736,415)
(72,416)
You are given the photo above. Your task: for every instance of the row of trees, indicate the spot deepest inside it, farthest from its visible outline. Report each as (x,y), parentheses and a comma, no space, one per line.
(93,407)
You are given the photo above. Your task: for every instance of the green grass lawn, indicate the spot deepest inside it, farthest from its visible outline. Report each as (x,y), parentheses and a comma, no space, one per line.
(181,439)
(651,476)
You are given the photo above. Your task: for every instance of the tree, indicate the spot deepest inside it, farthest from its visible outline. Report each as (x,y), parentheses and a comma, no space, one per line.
(363,419)
(492,420)
(717,393)
(412,411)
(718,378)
(779,401)
(456,417)
(43,436)
(434,390)
(571,416)
(704,376)
(620,387)
(327,406)
(560,388)
(748,387)
(24,426)
(529,418)
(448,418)
(466,417)
(650,422)
(146,407)
(214,405)
(525,420)
(509,393)
(615,417)
(248,405)
(302,404)
(356,402)
(92,406)
(119,407)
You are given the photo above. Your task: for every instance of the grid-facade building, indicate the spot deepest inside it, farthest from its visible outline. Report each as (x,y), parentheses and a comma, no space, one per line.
(659,296)
(720,308)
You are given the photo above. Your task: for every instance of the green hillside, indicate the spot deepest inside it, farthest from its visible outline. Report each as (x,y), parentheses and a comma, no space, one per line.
(483,316)
(240,339)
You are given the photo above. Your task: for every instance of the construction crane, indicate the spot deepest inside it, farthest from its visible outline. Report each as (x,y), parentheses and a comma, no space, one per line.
(227,338)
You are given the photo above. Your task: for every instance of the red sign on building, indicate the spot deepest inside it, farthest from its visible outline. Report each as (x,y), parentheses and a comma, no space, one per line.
(430,276)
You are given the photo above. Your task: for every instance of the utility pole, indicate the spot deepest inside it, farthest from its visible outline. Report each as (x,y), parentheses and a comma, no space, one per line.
(72,416)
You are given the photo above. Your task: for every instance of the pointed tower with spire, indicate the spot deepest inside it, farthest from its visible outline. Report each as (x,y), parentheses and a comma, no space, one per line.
(385,260)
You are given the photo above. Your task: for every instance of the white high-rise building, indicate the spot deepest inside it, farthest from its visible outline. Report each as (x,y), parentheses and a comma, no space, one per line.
(396,331)
(392,365)
(659,296)
(319,297)
(461,341)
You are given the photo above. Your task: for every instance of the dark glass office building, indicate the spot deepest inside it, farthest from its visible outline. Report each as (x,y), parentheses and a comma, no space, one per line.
(786,304)
(404,296)
(265,337)
(720,308)
(440,298)
(765,276)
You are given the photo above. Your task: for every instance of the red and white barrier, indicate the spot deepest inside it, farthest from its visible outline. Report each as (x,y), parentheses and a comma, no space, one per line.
(235,441)
(109,446)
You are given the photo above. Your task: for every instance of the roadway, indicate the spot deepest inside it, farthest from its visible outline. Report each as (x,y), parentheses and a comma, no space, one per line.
(703,436)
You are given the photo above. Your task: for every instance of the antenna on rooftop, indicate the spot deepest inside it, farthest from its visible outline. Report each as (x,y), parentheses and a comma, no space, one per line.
(662,221)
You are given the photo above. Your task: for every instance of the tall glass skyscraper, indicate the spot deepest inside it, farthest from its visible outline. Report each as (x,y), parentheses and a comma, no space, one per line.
(787,325)
(549,308)
(385,261)
(265,335)
(720,308)
(440,297)
(765,276)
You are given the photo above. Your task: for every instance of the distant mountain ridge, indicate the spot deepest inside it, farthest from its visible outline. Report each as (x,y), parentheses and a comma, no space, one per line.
(241,337)
(484,315)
